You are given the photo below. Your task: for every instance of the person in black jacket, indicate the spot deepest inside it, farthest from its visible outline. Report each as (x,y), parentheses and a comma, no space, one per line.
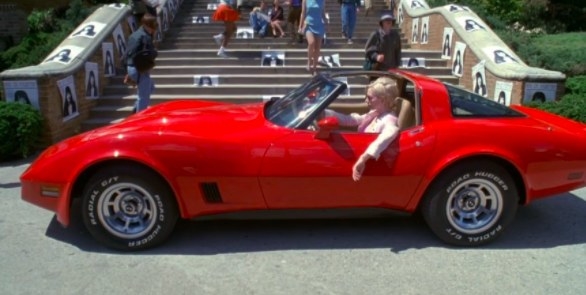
(384,45)
(140,56)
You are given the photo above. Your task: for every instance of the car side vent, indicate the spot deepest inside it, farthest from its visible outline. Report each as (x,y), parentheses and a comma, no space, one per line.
(211,192)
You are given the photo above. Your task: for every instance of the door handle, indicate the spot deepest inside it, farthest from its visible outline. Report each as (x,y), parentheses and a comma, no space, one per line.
(416,131)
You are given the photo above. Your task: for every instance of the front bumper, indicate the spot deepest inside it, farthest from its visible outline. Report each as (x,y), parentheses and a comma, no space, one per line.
(55,201)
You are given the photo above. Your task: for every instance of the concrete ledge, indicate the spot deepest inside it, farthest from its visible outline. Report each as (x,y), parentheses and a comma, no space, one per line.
(108,15)
(486,63)
(59,86)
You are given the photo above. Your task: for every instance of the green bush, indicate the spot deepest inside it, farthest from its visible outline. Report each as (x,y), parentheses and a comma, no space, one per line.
(557,52)
(20,128)
(571,106)
(42,21)
(576,85)
(47,29)
(560,52)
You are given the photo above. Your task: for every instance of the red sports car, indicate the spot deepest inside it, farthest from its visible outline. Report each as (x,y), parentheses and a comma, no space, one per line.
(465,162)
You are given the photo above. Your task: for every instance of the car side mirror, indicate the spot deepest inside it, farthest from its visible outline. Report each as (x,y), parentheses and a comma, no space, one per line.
(326,126)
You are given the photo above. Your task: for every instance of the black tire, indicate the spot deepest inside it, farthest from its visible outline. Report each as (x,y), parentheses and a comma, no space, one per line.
(471,204)
(128,208)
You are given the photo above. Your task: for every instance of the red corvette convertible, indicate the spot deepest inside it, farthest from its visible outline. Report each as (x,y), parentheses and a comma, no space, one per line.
(465,162)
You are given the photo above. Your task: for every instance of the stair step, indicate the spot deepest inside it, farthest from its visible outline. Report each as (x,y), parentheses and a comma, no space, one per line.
(235,79)
(289,52)
(254,62)
(252,71)
(282,43)
(278,86)
(188,50)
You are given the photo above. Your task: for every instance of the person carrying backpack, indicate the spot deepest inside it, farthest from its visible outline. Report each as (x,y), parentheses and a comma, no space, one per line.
(383,48)
(140,59)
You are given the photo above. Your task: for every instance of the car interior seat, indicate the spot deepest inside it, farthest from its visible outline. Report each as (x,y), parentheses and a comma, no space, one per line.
(405,113)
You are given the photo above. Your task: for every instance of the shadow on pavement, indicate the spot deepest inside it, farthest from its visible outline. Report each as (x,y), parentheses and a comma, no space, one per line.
(549,223)
(16,162)
(9,185)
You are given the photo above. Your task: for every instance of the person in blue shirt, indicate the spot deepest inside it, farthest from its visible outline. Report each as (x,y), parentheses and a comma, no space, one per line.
(312,24)
(348,12)
(259,20)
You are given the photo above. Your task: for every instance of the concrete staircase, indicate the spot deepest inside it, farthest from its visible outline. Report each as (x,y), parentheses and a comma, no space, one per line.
(188,49)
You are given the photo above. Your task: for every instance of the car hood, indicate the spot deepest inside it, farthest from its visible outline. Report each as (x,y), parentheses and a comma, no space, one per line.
(194,118)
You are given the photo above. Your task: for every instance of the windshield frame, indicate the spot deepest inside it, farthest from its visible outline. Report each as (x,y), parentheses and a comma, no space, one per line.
(298,107)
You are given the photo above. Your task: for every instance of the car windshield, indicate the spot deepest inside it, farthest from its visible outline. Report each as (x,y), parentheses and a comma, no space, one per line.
(297,106)
(471,105)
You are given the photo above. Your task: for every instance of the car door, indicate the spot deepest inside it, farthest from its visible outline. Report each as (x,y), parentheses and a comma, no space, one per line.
(301,171)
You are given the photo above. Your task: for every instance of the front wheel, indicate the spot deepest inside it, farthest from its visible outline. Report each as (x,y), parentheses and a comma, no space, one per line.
(128,208)
(471,204)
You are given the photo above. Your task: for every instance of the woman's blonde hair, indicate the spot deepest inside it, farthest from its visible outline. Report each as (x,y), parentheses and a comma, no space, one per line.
(386,89)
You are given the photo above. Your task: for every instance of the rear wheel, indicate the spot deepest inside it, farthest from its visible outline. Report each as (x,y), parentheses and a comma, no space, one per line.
(471,204)
(128,208)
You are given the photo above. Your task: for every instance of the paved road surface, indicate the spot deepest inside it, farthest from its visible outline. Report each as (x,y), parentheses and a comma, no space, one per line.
(543,252)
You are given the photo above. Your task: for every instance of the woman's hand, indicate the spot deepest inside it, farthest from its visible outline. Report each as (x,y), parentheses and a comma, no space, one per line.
(359,166)
(380,58)
(301,29)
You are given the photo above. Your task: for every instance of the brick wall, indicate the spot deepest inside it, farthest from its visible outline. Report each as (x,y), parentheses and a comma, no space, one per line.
(437,23)
(50,101)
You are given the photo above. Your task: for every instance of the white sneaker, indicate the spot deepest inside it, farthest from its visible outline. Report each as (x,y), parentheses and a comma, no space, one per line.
(222,52)
(219,38)
(350,41)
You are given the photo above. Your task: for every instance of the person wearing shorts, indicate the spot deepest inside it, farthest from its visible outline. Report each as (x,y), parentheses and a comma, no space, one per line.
(312,24)
(227,14)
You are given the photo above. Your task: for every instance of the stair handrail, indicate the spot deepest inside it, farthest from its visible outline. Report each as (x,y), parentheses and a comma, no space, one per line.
(109,15)
(72,54)
(480,39)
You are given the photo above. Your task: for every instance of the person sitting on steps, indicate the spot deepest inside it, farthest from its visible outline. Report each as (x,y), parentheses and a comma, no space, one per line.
(259,19)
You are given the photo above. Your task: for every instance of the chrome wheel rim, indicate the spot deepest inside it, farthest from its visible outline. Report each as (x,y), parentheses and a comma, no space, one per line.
(127,210)
(474,206)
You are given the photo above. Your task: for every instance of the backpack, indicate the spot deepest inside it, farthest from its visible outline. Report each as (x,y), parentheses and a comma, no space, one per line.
(144,60)
(368,64)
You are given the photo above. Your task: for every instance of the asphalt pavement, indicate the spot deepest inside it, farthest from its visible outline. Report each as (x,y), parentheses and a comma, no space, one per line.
(542,252)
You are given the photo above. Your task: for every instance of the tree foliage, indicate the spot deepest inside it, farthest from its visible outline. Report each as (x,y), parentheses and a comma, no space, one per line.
(47,28)
(20,128)
(551,16)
